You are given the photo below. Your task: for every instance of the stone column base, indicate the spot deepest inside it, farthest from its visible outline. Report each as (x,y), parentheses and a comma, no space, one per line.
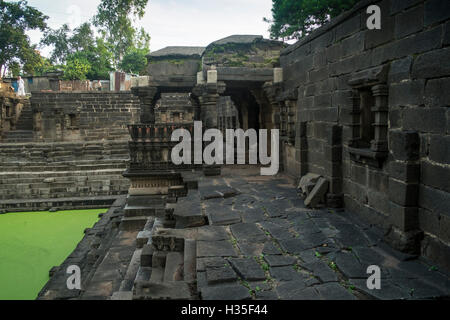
(335,200)
(407,242)
(211,171)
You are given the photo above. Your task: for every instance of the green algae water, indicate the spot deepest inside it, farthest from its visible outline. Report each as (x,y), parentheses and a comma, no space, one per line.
(31,243)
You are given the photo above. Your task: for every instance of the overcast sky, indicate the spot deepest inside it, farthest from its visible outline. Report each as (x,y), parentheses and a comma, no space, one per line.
(172,22)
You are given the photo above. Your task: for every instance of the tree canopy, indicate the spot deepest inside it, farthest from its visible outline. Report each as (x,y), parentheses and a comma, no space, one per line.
(107,42)
(135,61)
(16,51)
(293,19)
(80,47)
(114,20)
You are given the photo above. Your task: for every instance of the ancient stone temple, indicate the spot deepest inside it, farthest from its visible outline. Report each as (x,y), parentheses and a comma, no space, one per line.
(363,118)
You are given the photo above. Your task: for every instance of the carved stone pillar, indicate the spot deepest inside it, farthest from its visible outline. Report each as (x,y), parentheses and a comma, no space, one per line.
(380,110)
(208,96)
(148,96)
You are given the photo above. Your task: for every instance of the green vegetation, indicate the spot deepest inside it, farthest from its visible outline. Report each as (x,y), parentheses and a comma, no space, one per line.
(106,43)
(114,20)
(135,61)
(294,19)
(32,243)
(265,266)
(16,51)
(333,265)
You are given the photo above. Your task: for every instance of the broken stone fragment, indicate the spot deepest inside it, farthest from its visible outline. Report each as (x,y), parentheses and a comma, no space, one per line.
(308,182)
(317,195)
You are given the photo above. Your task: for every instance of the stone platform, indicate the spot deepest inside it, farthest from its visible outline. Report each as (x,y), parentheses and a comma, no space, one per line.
(251,238)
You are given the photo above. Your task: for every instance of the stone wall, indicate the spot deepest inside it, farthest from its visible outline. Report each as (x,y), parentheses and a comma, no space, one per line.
(83,116)
(373,118)
(10,108)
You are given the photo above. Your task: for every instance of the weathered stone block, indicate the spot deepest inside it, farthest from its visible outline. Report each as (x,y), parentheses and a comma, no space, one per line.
(447,34)
(404,194)
(435,176)
(407,93)
(425,120)
(440,148)
(342,99)
(404,145)
(409,22)
(400,69)
(404,218)
(397,6)
(147,256)
(408,242)
(378,181)
(428,221)
(406,172)
(359,174)
(437,93)
(436,11)
(248,269)
(444,229)
(352,45)
(432,64)
(220,274)
(434,200)
(317,195)
(348,27)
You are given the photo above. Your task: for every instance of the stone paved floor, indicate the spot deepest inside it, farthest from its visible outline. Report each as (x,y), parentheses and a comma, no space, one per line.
(264,244)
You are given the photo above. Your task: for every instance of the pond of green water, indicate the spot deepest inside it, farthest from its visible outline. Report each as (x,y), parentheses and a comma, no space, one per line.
(31,243)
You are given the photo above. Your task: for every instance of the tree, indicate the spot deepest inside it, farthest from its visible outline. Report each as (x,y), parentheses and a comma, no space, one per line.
(80,45)
(135,61)
(293,19)
(82,38)
(113,20)
(99,58)
(60,40)
(76,69)
(66,42)
(15,19)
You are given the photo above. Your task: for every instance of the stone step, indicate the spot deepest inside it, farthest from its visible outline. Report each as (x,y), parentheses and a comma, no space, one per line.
(190,260)
(143,274)
(188,212)
(71,203)
(147,256)
(60,170)
(133,223)
(157,275)
(132,270)
(174,267)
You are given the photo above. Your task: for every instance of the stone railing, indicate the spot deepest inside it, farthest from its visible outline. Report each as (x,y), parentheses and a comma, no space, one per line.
(151,147)
(155,132)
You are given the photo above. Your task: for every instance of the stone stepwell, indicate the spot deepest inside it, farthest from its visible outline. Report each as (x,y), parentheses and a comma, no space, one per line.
(66,175)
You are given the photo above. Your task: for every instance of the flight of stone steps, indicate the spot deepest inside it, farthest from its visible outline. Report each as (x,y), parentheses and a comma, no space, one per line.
(24,127)
(30,174)
(164,262)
